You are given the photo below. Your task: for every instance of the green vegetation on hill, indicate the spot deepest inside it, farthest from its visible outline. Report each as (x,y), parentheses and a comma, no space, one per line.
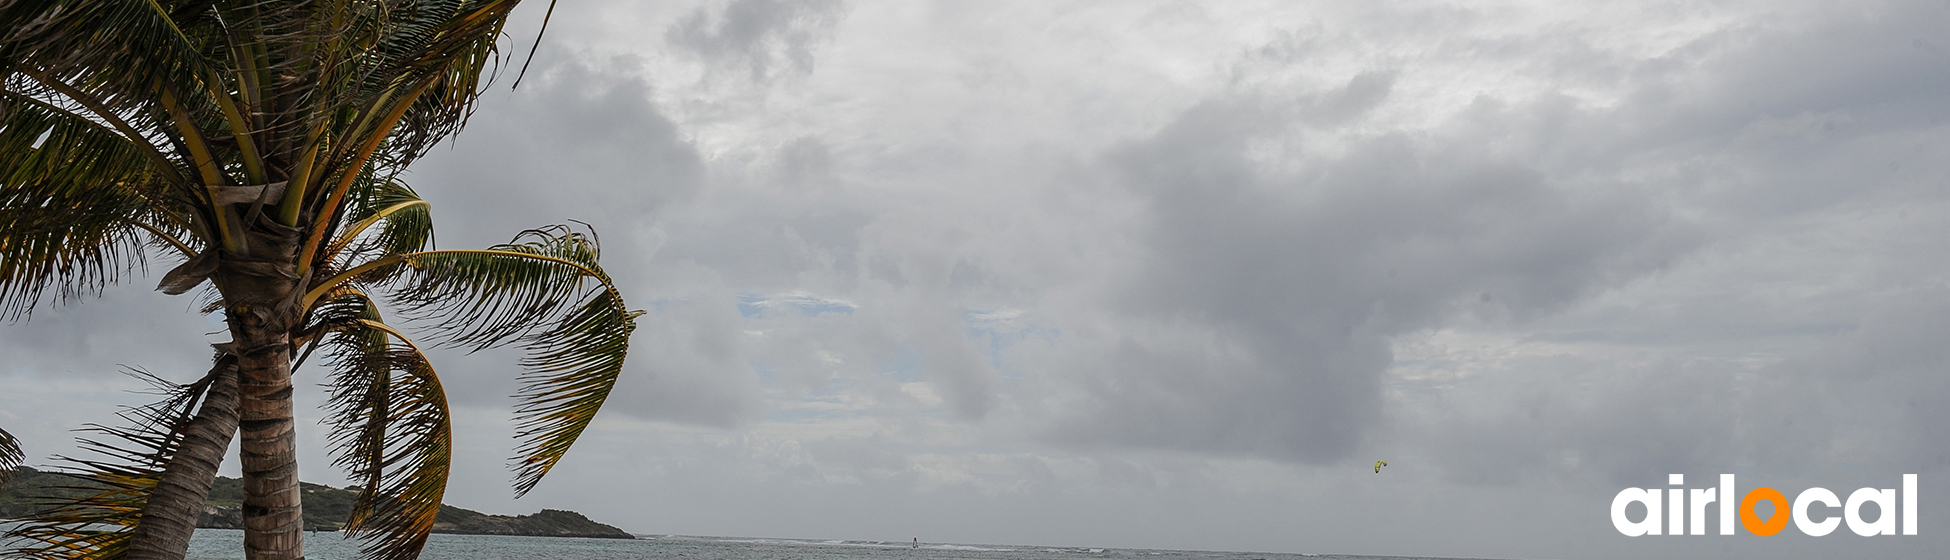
(22,494)
(326,509)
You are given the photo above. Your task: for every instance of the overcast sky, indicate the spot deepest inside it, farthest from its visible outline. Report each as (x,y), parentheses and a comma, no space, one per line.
(1175,274)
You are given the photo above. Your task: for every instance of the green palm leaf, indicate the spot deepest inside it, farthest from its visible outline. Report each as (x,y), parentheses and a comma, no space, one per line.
(405,223)
(181,123)
(146,45)
(544,291)
(98,524)
(452,52)
(10,456)
(74,243)
(571,368)
(390,427)
(73,196)
(77,244)
(50,149)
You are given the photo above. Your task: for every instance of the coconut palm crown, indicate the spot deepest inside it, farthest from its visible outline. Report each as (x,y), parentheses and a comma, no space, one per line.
(255,146)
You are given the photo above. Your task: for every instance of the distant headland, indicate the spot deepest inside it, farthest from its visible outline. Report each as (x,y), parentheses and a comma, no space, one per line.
(326,509)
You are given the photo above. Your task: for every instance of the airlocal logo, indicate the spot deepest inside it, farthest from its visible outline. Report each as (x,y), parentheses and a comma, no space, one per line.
(1884,499)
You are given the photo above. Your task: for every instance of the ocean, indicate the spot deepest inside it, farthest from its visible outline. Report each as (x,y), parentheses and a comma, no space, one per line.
(225,544)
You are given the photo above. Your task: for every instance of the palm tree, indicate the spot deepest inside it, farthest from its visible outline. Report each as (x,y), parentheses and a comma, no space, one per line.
(259,142)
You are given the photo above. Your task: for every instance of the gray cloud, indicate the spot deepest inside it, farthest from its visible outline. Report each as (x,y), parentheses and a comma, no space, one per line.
(607,156)
(768,37)
(1363,93)
(1292,284)
(1791,343)
(1132,275)
(689,366)
(1862,402)
(74,339)
(1853,408)
(1284,292)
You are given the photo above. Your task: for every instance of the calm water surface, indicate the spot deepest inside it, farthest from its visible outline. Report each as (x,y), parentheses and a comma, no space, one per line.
(221,544)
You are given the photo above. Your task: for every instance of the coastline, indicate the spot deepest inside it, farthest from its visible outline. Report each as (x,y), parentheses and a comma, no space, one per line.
(326,508)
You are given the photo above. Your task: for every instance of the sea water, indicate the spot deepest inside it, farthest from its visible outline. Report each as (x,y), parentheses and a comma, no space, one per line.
(226,544)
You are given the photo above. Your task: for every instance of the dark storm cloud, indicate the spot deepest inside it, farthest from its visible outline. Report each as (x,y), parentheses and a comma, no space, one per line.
(579,140)
(764,36)
(1292,284)
(1814,149)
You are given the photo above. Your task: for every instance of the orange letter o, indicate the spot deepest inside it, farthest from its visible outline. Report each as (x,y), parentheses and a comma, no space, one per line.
(1774,523)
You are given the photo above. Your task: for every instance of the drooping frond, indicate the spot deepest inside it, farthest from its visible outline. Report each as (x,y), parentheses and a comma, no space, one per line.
(547,292)
(126,50)
(570,370)
(10,456)
(75,246)
(390,427)
(76,204)
(49,149)
(122,86)
(115,488)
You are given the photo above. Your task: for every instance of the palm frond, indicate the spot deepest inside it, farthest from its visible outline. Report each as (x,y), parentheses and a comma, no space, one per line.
(415,80)
(452,49)
(74,244)
(126,50)
(547,292)
(405,223)
(571,368)
(47,147)
(390,427)
(98,524)
(10,457)
(74,211)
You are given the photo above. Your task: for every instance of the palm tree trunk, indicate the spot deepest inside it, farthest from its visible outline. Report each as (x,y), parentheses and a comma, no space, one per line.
(261,294)
(273,520)
(170,515)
